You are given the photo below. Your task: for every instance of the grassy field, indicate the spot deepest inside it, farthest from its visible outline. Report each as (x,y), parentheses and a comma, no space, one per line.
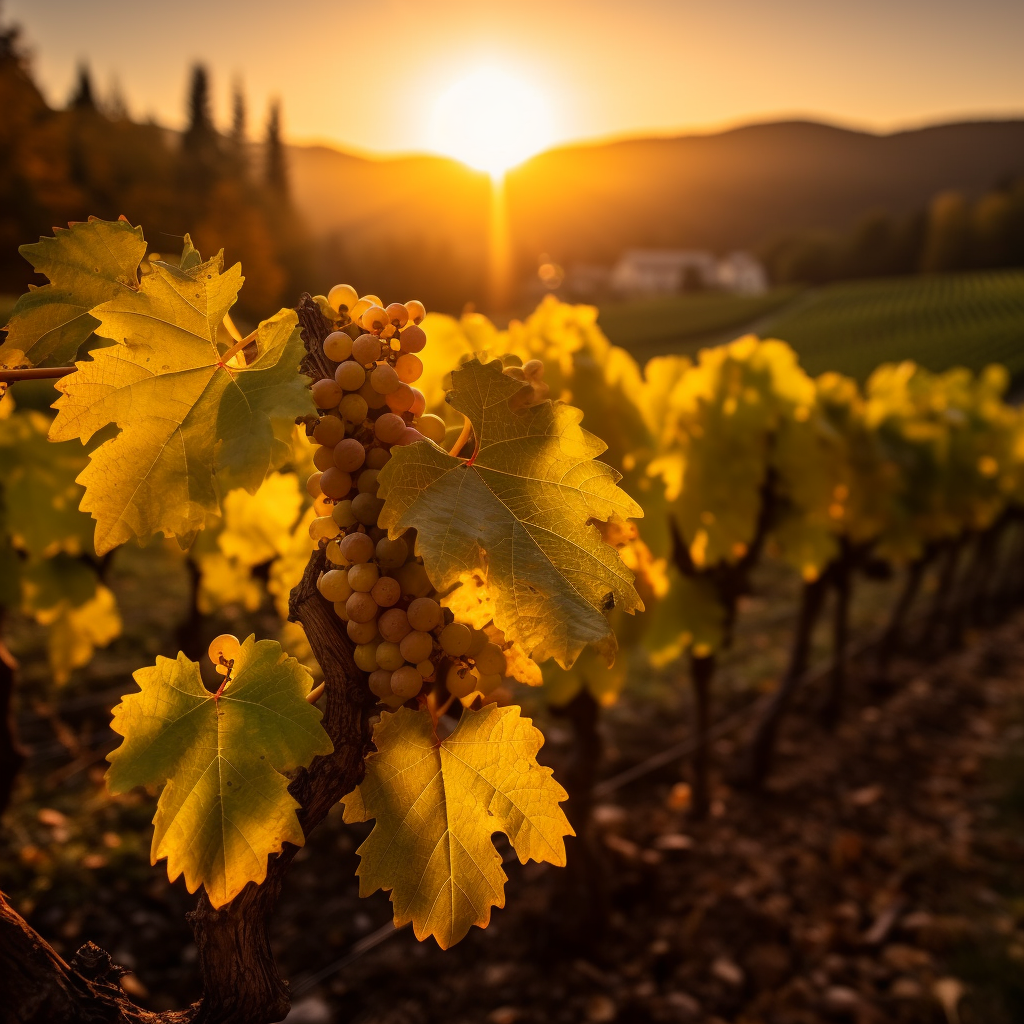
(939,320)
(677,323)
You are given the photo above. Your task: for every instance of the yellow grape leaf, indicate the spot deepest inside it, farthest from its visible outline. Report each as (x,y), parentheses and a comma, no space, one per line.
(437,805)
(87,263)
(225,806)
(39,490)
(190,427)
(75,633)
(521,512)
(224,581)
(471,603)
(257,527)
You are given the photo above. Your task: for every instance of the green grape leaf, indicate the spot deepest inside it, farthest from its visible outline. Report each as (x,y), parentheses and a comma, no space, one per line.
(191,427)
(39,489)
(437,805)
(225,806)
(521,513)
(64,595)
(87,263)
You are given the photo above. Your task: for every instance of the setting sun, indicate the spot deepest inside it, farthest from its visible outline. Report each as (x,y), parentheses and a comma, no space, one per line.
(491,120)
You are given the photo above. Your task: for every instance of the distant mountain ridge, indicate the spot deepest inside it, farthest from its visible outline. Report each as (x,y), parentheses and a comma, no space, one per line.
(589,201)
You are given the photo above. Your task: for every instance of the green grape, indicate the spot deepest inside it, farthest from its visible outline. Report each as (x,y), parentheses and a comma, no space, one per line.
(333,552)
(366,349)
(416,646)
(394,625)
(419,403)
(335,484)
(425,669)
(389,655)
(455,639)
(357,547)
(373,398)
(431,427)
(367,482)
(533,369)
(359,308)
(350,375)
(366,508)
(406,682)
(353,408)
(362,632)
(409,436)
(361,607)
(424,615)
(392,553)
(334,585)
(223,649)
(388,427)
(491,658)
(326,393)
(342,297)
(460,680)
(337,346)
(378,458)
(342,514)
(363,576)
(323,458)
(413,339)
(341,610)
(384,379)
(380,683)
(409,368)
(477,644)
(374,319)
(313,485)
(401,399)
(386,592)
(329,430)
(489,681)
(323,528)
(416,310)
(365,657)
(349,455)
(373,300)
(414,580)
(398,315)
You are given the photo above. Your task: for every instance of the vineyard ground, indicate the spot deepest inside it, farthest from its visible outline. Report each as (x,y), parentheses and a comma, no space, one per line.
(880,863)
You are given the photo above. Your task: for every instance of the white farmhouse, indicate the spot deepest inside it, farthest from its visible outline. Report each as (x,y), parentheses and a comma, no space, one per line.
(670,271)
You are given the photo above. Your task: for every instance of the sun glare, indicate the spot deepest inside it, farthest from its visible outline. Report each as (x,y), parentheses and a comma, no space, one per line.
(491,121)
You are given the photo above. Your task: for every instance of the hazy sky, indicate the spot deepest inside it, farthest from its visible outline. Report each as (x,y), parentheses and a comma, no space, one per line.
(366,73)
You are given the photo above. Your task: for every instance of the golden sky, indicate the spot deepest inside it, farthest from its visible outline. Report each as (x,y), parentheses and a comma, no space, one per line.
(367,74)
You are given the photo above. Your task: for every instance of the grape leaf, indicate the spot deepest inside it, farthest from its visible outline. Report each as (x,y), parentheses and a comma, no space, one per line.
(190,426)
(438,804)
(65,595)
(521,511)
(225,806)
(39,489)
(87,263)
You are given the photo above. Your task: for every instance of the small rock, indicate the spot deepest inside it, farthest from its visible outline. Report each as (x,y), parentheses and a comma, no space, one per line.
(52,817)
(840,999)
(601,1009)
(608,815)
(906,988)
(866,797)
(311,1010)
(673,841)
(504,1015)
(683,1006)
(728,971)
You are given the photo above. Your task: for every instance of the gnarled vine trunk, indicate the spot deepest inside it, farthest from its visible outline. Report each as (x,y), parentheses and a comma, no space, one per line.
(241,982)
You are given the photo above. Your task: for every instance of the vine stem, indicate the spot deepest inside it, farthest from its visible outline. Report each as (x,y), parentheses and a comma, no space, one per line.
(467,429)
(35,373)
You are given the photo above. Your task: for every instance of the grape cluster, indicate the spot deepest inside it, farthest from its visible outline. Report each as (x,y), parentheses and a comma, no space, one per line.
(531,372)
(377,585)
